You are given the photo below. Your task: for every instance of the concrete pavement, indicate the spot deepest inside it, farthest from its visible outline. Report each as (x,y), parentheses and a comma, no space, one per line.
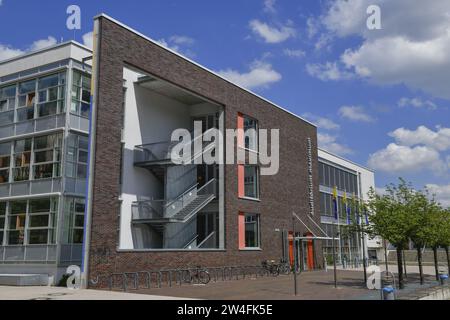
(56,293)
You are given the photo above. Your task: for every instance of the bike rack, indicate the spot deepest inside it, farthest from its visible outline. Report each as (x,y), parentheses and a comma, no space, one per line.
(177,276)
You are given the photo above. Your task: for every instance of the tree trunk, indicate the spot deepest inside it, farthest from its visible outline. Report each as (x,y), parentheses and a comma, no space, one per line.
(436,268)
(401,283)
(448,260)
(419,260)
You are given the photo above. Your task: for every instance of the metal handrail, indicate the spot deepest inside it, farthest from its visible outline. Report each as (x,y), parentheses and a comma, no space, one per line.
(206,239)
(190,241)
(170,144)
(194,186)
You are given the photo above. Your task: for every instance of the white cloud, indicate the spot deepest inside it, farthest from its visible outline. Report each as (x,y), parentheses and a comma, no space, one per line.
(323,42)
(312,27)
(182,40)
(441,192)
(294,53)
(398,159)
(180,44)
(7,52)
(261,74)
(417,103)
(269,6)
(328,142)
(419,65)
(327,71)
(272,34)
(410,49)
(380,191)
(321,122)
(43,43)
(88,40)
(438,140)
(355,113)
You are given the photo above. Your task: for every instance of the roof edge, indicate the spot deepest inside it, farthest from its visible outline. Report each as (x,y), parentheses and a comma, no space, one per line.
(58,45)
(347,160)
(103,15)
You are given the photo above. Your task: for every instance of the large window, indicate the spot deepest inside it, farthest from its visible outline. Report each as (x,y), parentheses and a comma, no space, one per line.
(32,221)
(17,222)
(2,220)
(27,100)
(47,156)
(44,153)
(5,161)
(81,94)
(252,235)
(7,98)
(77,156)
(51,94)
(7,104)
(42,221)
(73,220)
(331,176)
(251,182)
(22,158)
(35,98)
(251,133)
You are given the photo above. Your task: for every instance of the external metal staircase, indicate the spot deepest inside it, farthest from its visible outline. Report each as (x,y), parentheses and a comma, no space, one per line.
(159,214)
(180,210)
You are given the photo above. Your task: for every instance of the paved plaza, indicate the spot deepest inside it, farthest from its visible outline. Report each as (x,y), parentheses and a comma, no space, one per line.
(316,285)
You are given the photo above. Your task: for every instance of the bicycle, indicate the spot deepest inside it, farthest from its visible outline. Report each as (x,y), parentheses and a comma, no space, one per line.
(270,267)
(285,268)
(201,274)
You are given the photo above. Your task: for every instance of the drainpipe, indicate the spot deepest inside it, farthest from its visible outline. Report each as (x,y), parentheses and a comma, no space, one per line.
(90,169)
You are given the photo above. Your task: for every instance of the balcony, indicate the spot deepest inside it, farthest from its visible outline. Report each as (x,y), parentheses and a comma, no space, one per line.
(32,126)
(154,154)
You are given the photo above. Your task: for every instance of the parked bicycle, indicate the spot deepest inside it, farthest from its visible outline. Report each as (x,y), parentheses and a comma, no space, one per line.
(284,267)
(198,275)
(271,268)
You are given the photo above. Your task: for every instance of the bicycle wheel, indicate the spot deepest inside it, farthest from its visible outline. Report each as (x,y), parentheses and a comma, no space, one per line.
(286,269)
(204,277)
(275,271)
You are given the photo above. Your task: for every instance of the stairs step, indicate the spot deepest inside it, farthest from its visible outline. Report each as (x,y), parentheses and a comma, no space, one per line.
(23,280)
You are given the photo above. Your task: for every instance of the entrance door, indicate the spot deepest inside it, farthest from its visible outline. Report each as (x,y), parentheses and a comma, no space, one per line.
(310,252)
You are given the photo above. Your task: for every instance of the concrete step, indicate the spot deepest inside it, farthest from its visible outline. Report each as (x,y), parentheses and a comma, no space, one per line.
(24,280)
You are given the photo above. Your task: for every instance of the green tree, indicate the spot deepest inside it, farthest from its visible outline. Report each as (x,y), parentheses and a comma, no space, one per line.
(422,211)
(390,218)
(439,234)
(445,236)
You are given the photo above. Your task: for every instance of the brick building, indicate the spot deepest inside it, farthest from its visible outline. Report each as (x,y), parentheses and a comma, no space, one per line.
(147,213)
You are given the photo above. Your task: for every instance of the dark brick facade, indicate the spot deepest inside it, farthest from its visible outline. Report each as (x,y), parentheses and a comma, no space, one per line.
(280,194)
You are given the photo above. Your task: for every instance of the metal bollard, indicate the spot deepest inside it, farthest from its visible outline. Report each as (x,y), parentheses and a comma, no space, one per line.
(443,279)
(388,293)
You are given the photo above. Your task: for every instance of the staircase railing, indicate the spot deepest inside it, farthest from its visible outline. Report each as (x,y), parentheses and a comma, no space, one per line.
(190,242)
(161,151)
(156,209)
(209,241)
(146,210)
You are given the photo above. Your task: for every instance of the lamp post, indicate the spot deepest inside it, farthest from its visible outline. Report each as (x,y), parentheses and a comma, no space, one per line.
(295,255)
(334,256)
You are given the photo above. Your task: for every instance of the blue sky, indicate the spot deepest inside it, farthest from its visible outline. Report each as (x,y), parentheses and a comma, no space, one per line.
(380,97)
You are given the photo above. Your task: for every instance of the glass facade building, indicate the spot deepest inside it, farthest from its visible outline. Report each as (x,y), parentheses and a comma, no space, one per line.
(347,181)
(44,127)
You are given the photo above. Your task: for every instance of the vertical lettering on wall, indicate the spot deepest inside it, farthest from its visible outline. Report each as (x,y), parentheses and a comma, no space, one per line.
(310,177)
